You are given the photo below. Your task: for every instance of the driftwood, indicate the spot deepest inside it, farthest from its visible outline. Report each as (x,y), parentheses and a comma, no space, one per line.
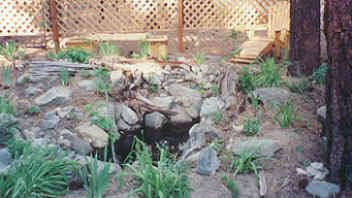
(54,67)
(227,88)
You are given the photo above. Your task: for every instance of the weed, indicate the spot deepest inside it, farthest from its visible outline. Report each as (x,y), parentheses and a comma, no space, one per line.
(254,100)
(199,58)
(269,75)
(217,117)
(40,173)
(144,48)
(251,126)
(11,52)
(101,77)
(164,58)
(64,76)
(214,89)
(165,179)
(231,185)
(95,179)
(8,126)
(286,116)
(33,110)
(235,51)
(319,74)
(306,163)
(6,105)
(234,34)
(6,75)
(102,121)
(73,54)
(108,49)
(246,81)
(300,86)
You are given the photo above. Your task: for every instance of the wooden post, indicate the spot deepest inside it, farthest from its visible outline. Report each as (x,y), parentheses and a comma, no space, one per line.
(180,26)
(55,26)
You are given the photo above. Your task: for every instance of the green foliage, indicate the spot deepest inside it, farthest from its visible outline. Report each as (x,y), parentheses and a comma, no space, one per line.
(164,58)
(234,34)
(73,54)
(214,89)
(8,126)
(286,116)
(37,173)
(269,75)
(85,73)
(101,76)
(251,126)
(217,117)
(6,105)
(319,74)
(300,86)
(231,185)
(153,88)
(100,120)
(33,110)
(64,76)
(199,58)
(254,100)
(108,49)
(6,75)
(17,146)
(95,179)
(11,51)
(235,51)
(246,81)
(144,48)
(164,179)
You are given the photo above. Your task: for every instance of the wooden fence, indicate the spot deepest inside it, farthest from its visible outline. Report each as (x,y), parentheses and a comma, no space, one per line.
(32,17)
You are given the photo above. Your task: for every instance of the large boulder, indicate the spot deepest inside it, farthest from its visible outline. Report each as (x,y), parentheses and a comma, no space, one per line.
(322,189)
(209,107)
(127,119)
(272,96)
(262,147)
(155,120)
(208,186)
(54,96)
(96,136)
(208,162)
(321,114)
(5,160)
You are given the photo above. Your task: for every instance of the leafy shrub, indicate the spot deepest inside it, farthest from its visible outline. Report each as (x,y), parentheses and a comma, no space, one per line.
(269,75)
(319,74)
(37,173)
(251,126)
(246,81)
(73,54)
(165,179)
(108,49)
(286,116)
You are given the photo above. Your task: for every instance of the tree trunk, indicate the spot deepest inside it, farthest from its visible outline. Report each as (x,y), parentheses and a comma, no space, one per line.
(304,36)
(338,31)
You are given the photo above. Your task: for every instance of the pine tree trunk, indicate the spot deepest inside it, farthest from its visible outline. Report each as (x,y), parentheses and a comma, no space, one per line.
(338,31)
(304,36)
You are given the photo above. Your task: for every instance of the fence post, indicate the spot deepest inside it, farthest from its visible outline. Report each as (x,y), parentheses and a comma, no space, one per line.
(180,26)
(55,26)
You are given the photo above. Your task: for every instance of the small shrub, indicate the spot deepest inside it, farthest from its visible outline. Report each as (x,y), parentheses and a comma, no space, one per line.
(6,75)
(99,120)
(254,100)
(33,110)
(6,105)
(319,74)
(300,86)
(8,126)
(269,75)
(286,116)
(199,58)
(102,80)
(11,52)
(164,179)
(251,126)
(64,76)
(73,54)
(108,49)
(246,81)
(231,185)
(144,48)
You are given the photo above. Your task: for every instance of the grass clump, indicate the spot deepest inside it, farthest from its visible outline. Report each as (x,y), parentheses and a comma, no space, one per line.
(64,76)
(6,75)
(286,116)
(6,106)
(73,54)
(246,81)
(269,75)
(231,185)
(300,86)
(319,74)
(108,49)
(199,58)
(144,48)
(12,52)
(251,126)
(165,178)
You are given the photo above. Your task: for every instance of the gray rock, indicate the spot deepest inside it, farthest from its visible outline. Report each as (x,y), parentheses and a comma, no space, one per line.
(77,143)
(153,78)
(247,185)
(208,162)
(208,186)
(51,120)
(178,90)
(264,147)
(181,116)
(126,114)
(87,85)
(104,110)
(26,78)
(118,81)
(54,96)
(122,125)
(321,114)
(5,160)
(272,96)
(64,111)
(83,160)
(209,107)
(94,135)
(163,103)
(322,189)
(31,91)
(155,120)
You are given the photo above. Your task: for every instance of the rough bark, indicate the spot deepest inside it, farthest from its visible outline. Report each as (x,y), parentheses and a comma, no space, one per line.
(338,31)
(304,36)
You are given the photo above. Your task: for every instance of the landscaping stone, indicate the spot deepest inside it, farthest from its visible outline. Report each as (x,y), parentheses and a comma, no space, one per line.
(87,85)
(83,160)
(155,120)
(118,81)
(31,91)
(64,111)
(181,117)
(209,107)
(321,114)
(25,78)
(76,143)
(247,185)
(51,120)
(163,103)
(5,160)
(322,189)
(94,135)
(103,110)
(208,162)
(126,114)
(208,186)
(272,96)
(264,147)
(54,96)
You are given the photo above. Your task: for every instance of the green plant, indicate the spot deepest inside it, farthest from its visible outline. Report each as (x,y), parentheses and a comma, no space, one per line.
(231,185)
(299,86)
(8,127)
(153,88)
(199,58)
(95,179)
(164,58)
(164,179)
(101,76)
(144,48)
(234,34)
(100,120)
(108,49)
(269,74)
(37,173)
(214,89)
(235,51)
(246,81)
(286,116)
(73,54)
(251,126)
(217,117)
(11,52)
(6,106)
(254,100)
(319,74)
(64,76)
(17,146)
(6,75)
(33,110)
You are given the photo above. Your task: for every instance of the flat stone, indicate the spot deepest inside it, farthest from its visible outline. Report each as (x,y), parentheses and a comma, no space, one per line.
(77,144)
(5,160)
(181,117)
(64,111)
(208,186)
(208,162)
(51,120)
(272,96)
(264,147)
(163,103)
(126,114)
(87,85)
(209,107)
(54,96)
(247,185)
(25,78)
(322,189)
(96,136)
(178,90)
(31,91)
(321,114)
(155,120)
